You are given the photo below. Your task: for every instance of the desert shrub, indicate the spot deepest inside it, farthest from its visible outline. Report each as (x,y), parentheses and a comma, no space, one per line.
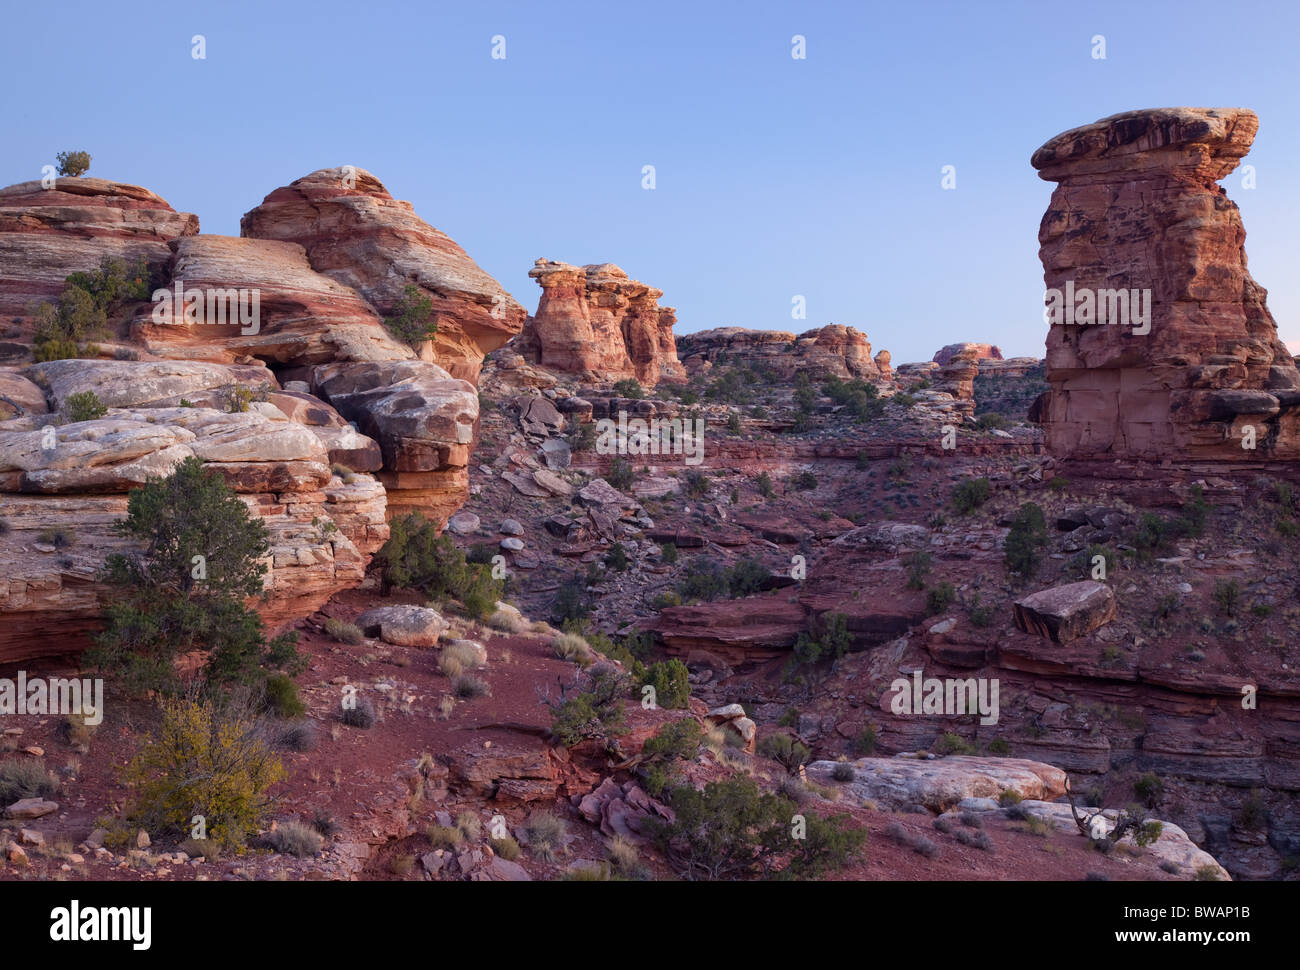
(202,848)
(971,494)
(571,601)
(629,388)
(903,400)
(843,771)
(697,484)
(788,752)
(676,741)
(670,680)
(202,559)
(999,746)
(704,580)
(360,714)
(468,686)
(60,537)
(296,839)
(297,736)
(282,697)
(859,398)
(981,614)
(594,713)
(764,485)
(73,164)
(827,638)
(1254,813)
(444,836)
(204,760)
(546,835)
(468,824)
(977,840)
(1227,596)
(939,598)
(25,778)
(732,830)
(918,567)
(1008,797)
(621,473)
(463,654)
(411,319)
(746,577)
(83,406)
(1025,542)
(991,420)
(950,743)
(864,742)
(343,631)
(570,646)
(804,481)
(416,557)
(616,558)
(1149,788)
(668,552)
(506,847)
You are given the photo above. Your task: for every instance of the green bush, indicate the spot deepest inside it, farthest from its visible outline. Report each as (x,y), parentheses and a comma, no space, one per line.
(282,697)
(790,753)
(206,761)
(596,713)
(746,577)
(731,830)
(668,551)
(620,474)
(629,388)
(296,839)
(764,485)
(950,743)
(344,632)
(804,481)
(83,406)
(704,580)
(1227,596)
(971,494)
(1026,540)
(416,557)
(202,558)
(412,318)
(939,598)
(1149,788)
(73,164)
(671,683)
(864,742)
(571,601)
(827,638)
(616,558)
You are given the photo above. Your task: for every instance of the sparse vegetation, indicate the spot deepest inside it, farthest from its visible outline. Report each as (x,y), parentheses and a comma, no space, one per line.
(411,319)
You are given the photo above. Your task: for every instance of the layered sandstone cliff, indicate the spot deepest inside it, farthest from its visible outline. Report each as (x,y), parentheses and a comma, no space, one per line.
(347,425)
(1137,213)
(596,322)
(830,351)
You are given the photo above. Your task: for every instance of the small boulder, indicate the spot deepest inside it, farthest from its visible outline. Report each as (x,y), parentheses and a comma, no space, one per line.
(403,626)
(1065,613)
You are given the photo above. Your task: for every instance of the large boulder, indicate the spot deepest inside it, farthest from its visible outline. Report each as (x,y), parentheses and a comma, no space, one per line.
(1065,613)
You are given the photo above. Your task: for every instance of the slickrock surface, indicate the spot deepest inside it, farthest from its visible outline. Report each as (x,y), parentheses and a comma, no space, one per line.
(1137,207)
(830,351)
(370,242)
(596,322)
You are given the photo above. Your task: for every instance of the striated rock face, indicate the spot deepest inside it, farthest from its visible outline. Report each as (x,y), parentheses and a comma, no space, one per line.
(957,377)
(303,317)
(276,456)
(830,351)
(1137,209)
(594,321)
(981,351)
(356,233)
(46,234)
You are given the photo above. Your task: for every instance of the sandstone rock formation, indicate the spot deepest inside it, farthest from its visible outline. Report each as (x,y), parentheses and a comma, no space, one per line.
(831,351)
(981,352)
(76,476)
(594,321)
(46,234)
(1137,212)
(356,233)
(325,260)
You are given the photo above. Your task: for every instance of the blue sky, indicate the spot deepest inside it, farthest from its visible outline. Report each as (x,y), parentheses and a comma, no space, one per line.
(774,176)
